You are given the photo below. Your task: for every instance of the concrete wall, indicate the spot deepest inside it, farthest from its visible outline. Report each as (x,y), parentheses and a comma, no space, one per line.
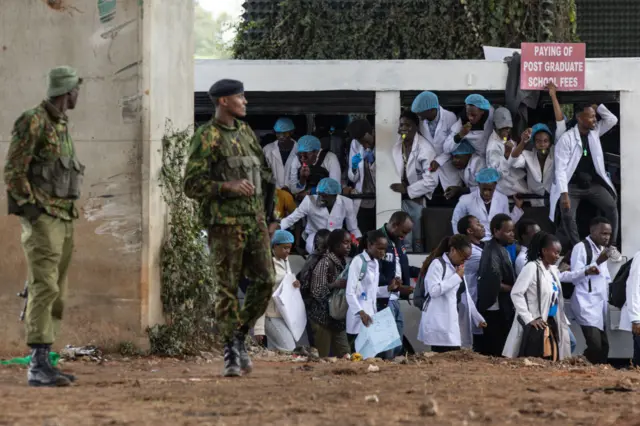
(131,64)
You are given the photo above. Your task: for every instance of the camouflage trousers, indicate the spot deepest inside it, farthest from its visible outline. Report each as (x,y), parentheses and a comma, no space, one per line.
(240,251)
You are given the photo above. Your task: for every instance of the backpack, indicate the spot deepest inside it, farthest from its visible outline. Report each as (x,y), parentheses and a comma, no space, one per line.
(420,295)
(304,276)
(618,288)
(338,305)
(568,287)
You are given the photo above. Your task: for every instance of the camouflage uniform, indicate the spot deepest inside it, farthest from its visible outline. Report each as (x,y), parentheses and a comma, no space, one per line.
(43,179)
(238,235)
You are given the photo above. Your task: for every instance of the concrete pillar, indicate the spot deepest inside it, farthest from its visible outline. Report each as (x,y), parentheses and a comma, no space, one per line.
(387,113)
(629,153)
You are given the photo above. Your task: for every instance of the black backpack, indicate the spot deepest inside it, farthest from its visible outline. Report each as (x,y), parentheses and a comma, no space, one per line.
(567,288)
(420,295)
(304,276)
(618,288)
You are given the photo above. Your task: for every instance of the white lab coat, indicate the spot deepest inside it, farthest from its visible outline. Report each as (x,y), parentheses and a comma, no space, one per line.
(589,307)
(512,180)
(446,173)
(631,309)
(281,172)
(568,151)
(439,324)
(355,288)
(421,181)
(477,138)
(320,218)
(357,177)
(474,205)
(468,305)
(331,163)
(468,175)
(525,300)
(538,181)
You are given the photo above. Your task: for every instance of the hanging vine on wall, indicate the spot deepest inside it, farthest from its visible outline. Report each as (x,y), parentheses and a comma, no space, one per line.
(187,296)
(401,29)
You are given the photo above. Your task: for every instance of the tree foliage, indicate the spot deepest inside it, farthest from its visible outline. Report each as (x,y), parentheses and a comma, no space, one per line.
(209,34)
(401,29)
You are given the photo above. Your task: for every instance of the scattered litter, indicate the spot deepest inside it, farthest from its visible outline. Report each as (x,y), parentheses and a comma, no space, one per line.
(528,363)
(400,360)
(430,408)
(472,415)
(372,398)
(356,357)
(623,385)
(373,368)
(300,359)
(72,353)
(53,357)
(559,414)
(332,360)
(347,357)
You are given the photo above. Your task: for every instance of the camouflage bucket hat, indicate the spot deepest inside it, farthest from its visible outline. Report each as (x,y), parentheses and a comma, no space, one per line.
(62,80)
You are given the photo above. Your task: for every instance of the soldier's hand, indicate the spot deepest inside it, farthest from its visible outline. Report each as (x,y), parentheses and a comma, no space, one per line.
(239,187)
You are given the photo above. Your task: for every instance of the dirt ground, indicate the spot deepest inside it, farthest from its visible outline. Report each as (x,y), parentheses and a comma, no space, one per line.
(459,388)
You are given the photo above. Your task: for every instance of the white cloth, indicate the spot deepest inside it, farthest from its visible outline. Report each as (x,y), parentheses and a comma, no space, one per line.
(279,337)
(524,295)
(357,177)
(568,151)
(439,325)
(355,289)
(421,181)
(446,174)
(477,138)
(521,259)
(473,204)
(281,172)
(331,163)
(512,180)
(282,268)
(320,218)
(538,181)
(631,309)
(589,305)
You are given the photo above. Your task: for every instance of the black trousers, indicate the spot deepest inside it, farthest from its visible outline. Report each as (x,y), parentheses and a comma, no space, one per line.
(494,335)
(597,351)
(444,349)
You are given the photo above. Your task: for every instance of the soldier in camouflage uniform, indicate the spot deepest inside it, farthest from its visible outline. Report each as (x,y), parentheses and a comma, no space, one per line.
(43,178)
(228,175)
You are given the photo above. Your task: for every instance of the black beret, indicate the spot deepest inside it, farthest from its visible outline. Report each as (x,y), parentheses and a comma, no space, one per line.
(226,88)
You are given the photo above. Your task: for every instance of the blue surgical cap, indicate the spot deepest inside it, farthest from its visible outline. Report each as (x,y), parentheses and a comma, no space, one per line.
(308,143)
(487,175)
(424,102)
(329,186)
(463,148)
(283,125)
(540,128)
(282,237)
(478,101)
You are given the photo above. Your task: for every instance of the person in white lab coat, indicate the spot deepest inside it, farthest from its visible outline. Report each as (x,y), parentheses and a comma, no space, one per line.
(467,164)
(312,165)
(474,125)
(271,324)
(362,171)
(485,202)
(412,156)
(281,153)
(435,126)
(630,315)
(525,230)
(499,150)
(471,333)
(443,273)
(590,299)
(540,327)
(361,294)
(326,210)
(580,173)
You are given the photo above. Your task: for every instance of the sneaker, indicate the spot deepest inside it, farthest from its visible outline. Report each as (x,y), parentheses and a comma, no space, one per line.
(41,374)
(614,255)
(245,361)
(231,361)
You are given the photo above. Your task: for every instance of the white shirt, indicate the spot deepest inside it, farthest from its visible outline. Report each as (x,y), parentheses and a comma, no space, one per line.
(421,181)
(331,163)
(321,218)
(590,299)
(361,295)
(281,172)
(473,204)
(568,151)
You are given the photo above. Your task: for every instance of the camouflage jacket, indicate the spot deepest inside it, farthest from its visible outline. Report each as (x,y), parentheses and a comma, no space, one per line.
(218,154)
(40,134)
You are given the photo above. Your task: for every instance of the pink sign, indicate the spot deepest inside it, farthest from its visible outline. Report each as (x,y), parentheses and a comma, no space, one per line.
(560,63)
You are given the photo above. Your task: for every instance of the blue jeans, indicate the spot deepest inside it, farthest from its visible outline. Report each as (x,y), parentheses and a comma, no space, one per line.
(394,305)
(572,339)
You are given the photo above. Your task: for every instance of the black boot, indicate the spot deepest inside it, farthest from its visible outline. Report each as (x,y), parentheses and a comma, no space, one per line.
(231,360)
(40,371)
(68,376)
(245,361)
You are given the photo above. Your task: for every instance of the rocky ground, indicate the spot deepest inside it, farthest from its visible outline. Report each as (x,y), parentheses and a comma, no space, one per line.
(460,388)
